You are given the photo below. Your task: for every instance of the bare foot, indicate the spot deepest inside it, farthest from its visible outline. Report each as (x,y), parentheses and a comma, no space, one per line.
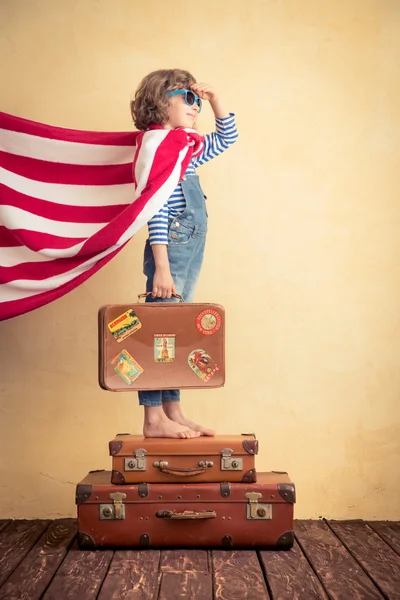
(174,412)
(157,424)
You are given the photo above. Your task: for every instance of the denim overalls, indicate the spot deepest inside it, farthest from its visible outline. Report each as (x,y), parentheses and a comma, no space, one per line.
(186,242)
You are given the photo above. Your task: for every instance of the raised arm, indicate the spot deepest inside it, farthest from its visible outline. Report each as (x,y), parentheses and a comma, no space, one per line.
(225,127)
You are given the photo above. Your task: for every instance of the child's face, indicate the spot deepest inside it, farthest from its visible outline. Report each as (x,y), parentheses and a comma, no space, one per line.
(180,114)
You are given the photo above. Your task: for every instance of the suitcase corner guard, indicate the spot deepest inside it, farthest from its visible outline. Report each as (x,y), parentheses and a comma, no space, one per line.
(288,492)
(250,446)
(83,493)
(250,476)
(285,542)
(85,541)
(117,477)
(114,447)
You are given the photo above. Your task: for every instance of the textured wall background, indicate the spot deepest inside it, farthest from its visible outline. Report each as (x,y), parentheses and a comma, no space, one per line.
(303,249)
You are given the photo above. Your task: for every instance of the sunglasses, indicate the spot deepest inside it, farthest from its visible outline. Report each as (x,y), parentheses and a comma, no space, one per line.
(190,97)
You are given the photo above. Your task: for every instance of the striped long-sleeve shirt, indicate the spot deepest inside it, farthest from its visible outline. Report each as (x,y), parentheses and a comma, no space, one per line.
(214,144)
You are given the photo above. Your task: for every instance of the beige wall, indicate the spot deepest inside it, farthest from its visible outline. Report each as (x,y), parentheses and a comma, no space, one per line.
(303,250)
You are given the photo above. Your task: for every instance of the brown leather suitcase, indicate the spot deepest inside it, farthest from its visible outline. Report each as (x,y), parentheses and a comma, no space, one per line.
(161,346)
(231,515)
(137,459)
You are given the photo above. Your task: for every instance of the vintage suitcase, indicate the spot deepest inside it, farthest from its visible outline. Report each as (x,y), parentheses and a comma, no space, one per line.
(231,515)
(161,346)
(136,459)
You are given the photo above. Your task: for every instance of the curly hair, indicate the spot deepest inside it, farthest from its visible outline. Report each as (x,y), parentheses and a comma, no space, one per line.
(151,101)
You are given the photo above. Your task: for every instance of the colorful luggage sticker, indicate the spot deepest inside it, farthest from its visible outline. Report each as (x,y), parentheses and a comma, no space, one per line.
(202,364)
(164,347)
(124,325)
(126,367)
(208,321)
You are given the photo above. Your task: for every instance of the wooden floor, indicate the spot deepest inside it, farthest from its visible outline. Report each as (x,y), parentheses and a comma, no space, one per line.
(344,560)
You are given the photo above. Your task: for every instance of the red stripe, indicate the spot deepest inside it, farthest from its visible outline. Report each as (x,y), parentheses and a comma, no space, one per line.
(62,212)
(37,271)
(18,124)
(165,158)
(98,242)
(37,240)
(164,162)
(110,234)
(139,141)
(7,239)
(55,172)
(14,308)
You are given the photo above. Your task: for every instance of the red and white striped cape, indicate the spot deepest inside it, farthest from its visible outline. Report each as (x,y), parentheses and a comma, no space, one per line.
(70,200)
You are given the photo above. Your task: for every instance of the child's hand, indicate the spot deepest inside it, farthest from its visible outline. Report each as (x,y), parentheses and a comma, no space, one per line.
(163,284)
(204,91)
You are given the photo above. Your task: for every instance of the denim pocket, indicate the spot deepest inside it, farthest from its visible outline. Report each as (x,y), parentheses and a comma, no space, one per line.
(179,234)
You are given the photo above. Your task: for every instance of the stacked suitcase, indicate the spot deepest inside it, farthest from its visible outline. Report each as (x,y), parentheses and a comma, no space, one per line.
(199,492)
(186,493)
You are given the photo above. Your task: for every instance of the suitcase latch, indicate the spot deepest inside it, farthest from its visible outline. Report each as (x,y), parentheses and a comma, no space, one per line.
(138,463)
(229,462)
(256,510)
(113,511)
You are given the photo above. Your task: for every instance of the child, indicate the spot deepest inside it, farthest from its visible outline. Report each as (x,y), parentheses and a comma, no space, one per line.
(173,254)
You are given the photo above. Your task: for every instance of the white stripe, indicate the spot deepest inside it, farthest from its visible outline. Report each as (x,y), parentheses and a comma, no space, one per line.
(70,195)
(23,288)
(73,153)
(150,143)
(16,218)
(19,289)
(15,255)
(157,200)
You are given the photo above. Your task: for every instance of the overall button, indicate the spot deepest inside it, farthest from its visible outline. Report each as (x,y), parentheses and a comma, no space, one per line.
(173,235)
(177,224)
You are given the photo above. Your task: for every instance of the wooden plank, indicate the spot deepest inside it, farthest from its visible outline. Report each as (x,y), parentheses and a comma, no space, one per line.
(238,574)
(4,523)
(32,576)
(290,576)
(80,575)
(341,576)
(181,561)
(132,574)
(189,586)
(185,574)
(374,555)
(16,540)
(389,531)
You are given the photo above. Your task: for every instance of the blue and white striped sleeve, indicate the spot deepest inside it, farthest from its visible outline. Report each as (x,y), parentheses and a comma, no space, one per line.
(158,227)
(215,143)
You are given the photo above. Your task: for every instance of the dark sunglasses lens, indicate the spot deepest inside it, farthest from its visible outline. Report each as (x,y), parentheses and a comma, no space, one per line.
(190,98)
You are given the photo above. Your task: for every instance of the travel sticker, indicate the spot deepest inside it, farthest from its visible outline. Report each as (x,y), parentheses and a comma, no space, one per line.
(124,325)
(126,367)
(164,347)
(208,321)
(202,364)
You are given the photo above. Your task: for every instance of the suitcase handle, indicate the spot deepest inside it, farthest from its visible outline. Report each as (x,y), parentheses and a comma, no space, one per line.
(180,298)
(164,468)
(186,514)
